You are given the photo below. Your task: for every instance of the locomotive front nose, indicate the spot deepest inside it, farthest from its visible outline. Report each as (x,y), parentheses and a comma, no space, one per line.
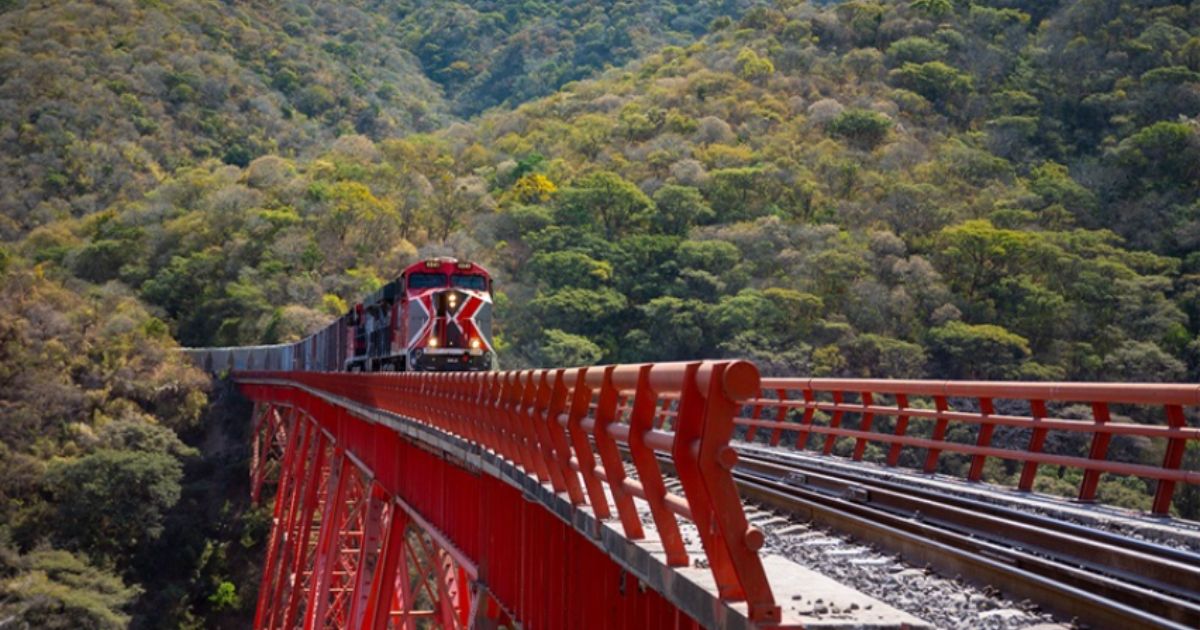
(455,334)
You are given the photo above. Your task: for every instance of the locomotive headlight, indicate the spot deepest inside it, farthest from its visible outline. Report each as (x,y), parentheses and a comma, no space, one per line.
(476,344)
(433,342)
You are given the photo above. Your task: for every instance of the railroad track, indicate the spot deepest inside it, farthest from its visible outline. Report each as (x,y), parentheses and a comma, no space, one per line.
(1099,578)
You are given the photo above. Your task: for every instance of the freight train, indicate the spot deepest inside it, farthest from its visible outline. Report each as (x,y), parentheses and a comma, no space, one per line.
(435,317)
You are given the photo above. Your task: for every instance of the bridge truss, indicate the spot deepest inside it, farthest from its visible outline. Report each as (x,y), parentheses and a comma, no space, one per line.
(479,500)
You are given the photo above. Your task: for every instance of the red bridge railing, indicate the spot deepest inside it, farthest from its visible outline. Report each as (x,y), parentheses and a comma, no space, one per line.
(576,428)
(819,412)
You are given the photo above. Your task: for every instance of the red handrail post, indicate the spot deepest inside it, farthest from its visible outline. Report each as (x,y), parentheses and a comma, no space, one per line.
(901,428)
(1036,440)
(810,410)
(781,415)
(534,404)
(752,429)
(984,440)
(555,407)
(939,434)
(702,453)
(610,457)
(585,459)
(1172,460)
(641,421)
(868,418)
(1099,451)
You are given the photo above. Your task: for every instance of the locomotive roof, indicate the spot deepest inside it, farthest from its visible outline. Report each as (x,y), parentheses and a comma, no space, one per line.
(446,265)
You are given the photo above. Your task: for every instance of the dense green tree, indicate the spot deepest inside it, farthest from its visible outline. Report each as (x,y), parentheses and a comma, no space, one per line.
(983,351)
(940,83)
(579,311)
(645,265)
(737,193)
(933,8)
(797,311)
(679,208)
(749,309)
(975,255)
(753,67)
(863,129)
(56,590)
(1031,310)
(1140,361)
(876,356)
(715,257)
(130,434)
(560,349)
(1165,154)
(766,352)
(520,221)
(606,201)
(566,269)
(110,503)
(675,327)
(915,49)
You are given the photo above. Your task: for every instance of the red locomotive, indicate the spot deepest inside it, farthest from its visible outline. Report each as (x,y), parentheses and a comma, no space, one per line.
(437,316)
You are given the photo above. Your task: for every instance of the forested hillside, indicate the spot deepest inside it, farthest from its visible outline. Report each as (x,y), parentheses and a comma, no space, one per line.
(1004,189)
(104,508)
(101,100)
(868,189)
(503,53)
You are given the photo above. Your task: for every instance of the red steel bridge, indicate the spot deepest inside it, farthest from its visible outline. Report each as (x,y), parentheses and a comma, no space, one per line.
(604,497)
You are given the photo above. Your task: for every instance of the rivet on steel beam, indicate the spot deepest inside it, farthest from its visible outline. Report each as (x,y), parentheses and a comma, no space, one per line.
(754,538)
(727,458)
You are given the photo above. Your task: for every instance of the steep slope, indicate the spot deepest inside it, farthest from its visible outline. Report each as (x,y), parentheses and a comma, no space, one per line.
(101,100)
(872,189)
(966,220)
(488,53)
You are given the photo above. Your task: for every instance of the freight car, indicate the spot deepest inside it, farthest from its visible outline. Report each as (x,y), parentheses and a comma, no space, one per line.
(437,316)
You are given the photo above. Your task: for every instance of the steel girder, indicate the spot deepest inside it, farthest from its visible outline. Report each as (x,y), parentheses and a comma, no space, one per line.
(374,528)
(344,552)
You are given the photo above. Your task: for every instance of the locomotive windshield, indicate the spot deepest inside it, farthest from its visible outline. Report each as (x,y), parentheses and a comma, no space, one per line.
(473,283)
(426,280)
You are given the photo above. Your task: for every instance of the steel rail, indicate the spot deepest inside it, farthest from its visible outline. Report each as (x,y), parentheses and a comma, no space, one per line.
(1141,561)
(1123,581)
(1019,574)
(1092,592)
